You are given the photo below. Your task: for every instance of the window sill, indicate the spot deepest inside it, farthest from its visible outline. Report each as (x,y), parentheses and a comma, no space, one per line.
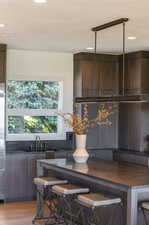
(31,137)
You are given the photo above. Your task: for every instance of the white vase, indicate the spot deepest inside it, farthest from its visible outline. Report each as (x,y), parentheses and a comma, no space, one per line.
(80,155)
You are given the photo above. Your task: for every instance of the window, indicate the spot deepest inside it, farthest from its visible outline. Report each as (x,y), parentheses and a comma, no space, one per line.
(31,109)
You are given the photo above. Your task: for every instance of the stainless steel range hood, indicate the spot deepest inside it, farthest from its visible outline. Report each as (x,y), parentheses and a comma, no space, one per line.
(138,98)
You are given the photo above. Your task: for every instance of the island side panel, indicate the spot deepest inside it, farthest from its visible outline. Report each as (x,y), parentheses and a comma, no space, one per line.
(40,169)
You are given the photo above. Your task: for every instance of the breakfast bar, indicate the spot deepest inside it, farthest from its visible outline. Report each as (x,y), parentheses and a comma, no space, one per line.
(128,181)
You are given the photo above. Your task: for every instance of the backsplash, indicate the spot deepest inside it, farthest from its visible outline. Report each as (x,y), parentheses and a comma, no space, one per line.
(50,145)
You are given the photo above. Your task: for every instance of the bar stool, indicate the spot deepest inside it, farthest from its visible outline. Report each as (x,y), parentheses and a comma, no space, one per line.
(96,202)
(145,207)
(44,196)
(66,194)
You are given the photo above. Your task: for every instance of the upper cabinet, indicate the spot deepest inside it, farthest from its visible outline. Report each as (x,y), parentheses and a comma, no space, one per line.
(136,73)
(2,62)
(98,75)
(95,75)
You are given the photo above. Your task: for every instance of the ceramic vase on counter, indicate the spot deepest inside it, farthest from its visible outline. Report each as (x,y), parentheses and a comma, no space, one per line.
(80,155)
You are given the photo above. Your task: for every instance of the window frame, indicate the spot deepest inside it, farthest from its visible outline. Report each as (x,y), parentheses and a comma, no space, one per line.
(60,135)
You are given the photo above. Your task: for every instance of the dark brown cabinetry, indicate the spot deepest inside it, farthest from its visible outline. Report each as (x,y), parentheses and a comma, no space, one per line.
(20,171)
(133,118)
(2,62)
(16,176)
(101,74)
(95,75)
(32,173)
(136,73)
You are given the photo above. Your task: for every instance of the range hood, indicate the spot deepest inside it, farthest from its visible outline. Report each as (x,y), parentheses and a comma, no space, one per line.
(114,99)
(138,98)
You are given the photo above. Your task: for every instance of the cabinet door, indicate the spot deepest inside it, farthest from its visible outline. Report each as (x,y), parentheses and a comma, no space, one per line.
(90,78)
(2,185)
(133,76)
(31,165)
(3,62)
(2,66)
(132,81)
(108,82)
(145,76)
(16,177)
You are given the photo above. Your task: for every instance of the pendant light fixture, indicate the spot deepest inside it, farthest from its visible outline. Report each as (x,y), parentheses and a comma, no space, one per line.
(118,98)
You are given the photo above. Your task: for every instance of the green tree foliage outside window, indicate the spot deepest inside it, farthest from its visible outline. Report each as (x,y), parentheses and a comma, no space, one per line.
(32,124)
(32,95)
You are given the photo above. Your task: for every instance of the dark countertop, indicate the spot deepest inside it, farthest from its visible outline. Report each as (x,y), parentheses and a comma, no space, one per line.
(34,152)
(122,173)
(131,152)
(22,152)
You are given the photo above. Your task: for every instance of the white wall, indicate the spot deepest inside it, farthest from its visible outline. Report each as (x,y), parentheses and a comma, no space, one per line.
(42,65)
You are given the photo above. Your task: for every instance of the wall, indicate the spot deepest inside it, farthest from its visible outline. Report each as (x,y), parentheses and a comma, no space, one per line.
(41,65)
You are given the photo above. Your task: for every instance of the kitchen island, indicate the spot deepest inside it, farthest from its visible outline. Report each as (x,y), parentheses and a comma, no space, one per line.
(125,180)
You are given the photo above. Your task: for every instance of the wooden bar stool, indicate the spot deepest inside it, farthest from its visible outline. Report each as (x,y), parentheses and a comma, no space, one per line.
(44,195)
(96,202)
(67,193)
(145,207)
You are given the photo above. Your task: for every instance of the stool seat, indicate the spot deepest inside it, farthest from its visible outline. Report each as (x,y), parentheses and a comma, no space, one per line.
(145,205)
(67,189)
(96,199)
(45,181)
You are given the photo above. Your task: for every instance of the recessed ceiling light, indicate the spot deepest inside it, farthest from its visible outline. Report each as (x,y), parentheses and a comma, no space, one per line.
(2,25)
(131,38)
(40,1)
(89,48)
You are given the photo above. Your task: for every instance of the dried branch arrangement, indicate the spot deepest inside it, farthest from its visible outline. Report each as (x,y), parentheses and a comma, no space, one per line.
(81,124)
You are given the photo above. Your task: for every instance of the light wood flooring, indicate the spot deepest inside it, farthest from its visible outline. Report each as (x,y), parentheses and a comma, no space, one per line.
(20,213)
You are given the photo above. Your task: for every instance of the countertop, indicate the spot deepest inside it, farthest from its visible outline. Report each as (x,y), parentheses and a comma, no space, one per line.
(34,152)
(24,152)
(122,173)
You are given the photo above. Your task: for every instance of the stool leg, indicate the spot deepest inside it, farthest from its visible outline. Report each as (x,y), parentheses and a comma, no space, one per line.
(82,214)
(66,210)
(97,218)
(42,197)
(93,219)
(58,210)
(123,214)
(145,218)
(53,211)
(40,204)
(68,216)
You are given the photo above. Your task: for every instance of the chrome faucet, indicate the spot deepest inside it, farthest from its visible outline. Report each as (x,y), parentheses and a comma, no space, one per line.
(38,144)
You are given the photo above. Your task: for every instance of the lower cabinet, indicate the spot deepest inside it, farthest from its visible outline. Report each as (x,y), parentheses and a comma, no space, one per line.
(20,171)
(2,185)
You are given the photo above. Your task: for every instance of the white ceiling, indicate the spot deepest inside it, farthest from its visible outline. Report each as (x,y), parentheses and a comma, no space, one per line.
(64,25)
